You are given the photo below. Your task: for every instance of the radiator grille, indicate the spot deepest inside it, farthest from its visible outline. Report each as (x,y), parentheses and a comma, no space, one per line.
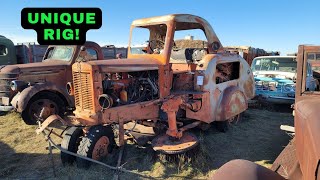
(82,90)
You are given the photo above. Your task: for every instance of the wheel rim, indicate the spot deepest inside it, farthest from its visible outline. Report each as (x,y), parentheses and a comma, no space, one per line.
(101,148)
(49,107)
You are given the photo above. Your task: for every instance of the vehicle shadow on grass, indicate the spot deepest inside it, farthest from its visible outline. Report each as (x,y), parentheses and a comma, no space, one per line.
(24,165)
(257,138)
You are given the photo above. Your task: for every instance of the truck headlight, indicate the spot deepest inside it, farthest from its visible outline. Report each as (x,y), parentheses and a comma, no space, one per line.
(70,89)
(289,87)
(17,85)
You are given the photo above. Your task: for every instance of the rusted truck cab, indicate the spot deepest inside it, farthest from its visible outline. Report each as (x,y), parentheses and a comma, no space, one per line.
(307,119)
(301,158)
(29,88)
(167,85)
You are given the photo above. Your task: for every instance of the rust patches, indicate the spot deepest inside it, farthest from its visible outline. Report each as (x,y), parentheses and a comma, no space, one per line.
(171,107)
(249,88)
(158,89)
(233,103)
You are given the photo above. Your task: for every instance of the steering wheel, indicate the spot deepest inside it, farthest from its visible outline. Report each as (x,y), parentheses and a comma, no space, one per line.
(154,43)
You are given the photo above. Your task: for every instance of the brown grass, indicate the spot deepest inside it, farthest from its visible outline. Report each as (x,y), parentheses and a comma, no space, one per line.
(257,138)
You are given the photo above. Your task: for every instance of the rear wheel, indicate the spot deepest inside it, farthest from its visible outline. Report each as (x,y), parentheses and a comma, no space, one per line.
(50,102)
(98,143)
(70,142)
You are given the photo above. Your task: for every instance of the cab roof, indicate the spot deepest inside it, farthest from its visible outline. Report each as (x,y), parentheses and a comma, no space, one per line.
(183,22)
(171,17)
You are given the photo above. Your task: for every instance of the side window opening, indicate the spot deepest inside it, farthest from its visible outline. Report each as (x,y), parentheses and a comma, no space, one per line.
(189,46)
(92,54)
(312,79)
(227,72)
(3,50)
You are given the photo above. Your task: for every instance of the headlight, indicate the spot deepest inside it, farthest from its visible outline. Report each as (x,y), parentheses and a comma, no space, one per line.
(289,87)
(17,85)
(70,89)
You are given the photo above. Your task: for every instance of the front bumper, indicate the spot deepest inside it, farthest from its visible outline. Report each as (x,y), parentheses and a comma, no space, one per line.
(5,104)
(6,108)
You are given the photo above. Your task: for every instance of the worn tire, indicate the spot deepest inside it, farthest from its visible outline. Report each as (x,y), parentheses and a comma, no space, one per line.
(71,140)
(222,126)
(28,117)
(88,143)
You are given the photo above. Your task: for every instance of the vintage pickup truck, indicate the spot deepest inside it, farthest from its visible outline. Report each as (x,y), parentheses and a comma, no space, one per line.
(27,88)
(275,78)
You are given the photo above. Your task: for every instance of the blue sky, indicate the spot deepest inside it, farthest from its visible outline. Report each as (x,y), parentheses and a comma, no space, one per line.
(269,24)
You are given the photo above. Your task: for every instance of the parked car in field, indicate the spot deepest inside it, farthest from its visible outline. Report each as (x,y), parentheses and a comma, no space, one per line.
(275,78)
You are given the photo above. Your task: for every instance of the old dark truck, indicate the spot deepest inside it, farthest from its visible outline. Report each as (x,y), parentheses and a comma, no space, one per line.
(300,160)
(162,86)
(21,53)
(28,88)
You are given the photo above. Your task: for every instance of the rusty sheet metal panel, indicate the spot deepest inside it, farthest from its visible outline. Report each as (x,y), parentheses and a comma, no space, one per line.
(233,103)
(125,65)
(218,106)
(240,169)
(287,164)
(126,113)
(307,125)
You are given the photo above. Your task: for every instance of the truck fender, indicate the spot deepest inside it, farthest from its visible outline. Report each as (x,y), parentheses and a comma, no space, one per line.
(233,102)
(241,169)
(21,99)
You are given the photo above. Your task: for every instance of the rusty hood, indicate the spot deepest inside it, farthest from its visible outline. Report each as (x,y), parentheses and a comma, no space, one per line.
(126,65)
(31,68)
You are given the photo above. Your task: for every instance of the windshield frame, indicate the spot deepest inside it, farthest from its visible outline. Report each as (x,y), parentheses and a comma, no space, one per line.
(168,38)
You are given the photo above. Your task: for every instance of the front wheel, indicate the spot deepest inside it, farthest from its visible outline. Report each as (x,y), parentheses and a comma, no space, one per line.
(70,142)
(98,143)
(49,103)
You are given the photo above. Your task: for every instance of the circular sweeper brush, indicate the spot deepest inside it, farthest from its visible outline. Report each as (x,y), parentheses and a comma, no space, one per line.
(168,145)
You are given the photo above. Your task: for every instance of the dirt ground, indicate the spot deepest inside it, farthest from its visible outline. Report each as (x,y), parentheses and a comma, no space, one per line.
(256,138)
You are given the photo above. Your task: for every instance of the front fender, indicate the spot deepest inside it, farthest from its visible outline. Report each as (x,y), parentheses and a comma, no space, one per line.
(233,103)
(21,99)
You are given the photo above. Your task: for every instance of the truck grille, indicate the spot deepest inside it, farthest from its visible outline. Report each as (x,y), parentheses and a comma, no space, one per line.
(5,90)
(82,90)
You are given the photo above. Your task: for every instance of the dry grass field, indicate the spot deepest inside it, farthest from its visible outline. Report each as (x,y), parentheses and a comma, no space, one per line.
(256,138)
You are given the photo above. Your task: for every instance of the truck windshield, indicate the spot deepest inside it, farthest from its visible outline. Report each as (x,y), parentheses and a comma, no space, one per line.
(61,53)
(274,64)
